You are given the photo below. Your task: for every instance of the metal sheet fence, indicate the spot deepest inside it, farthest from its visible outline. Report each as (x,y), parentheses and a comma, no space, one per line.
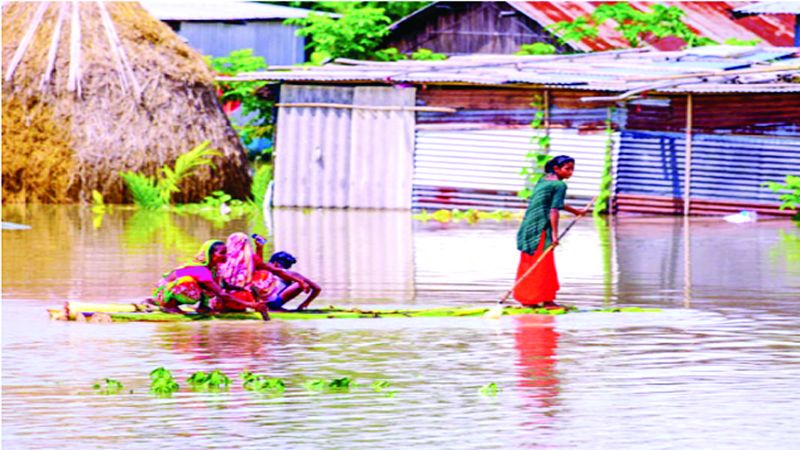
(728,170)
(340,157)
(481,168)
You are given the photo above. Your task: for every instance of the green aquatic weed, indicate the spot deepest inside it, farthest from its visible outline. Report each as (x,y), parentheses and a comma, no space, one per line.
(489,389)
(262,383)
(111,386)
(214,379)
(341,384)
(315,385)
(380,386)
(162,382)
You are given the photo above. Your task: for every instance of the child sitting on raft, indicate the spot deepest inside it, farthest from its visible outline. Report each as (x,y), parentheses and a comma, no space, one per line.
(199,282)
(247,277)
(287,292)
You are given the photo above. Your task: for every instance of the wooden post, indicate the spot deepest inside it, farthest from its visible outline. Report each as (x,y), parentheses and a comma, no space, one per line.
(547,118)
(687,169)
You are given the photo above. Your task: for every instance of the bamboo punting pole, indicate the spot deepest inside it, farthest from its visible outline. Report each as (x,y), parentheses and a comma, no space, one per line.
(51,54)
(26,41)
(687,169)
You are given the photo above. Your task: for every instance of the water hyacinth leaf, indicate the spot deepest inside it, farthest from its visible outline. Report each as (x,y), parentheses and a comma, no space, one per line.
(315,385)
(160,373)
(489,389)
(344,383)
(111,386)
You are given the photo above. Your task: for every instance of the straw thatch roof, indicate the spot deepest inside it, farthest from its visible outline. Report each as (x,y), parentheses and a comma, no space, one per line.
(94,88)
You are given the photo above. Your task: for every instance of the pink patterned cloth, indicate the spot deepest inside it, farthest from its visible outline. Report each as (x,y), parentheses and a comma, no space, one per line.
(240,267)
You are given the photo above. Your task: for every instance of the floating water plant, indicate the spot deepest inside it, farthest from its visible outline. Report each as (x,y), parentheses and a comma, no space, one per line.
(489,389)
(213,380)
(315,385)
(341,384)
(262,383)
(111,386)
(380,386)
(162,382)
(470,216)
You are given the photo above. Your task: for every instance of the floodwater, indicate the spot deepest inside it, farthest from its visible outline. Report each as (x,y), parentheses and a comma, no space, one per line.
(717,368)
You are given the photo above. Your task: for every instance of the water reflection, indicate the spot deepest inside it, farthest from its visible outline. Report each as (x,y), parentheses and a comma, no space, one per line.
(536,340)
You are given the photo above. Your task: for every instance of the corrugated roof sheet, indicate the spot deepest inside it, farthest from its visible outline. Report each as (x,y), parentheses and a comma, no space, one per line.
(185,10)
(710,19)
(774,7)
(749,69)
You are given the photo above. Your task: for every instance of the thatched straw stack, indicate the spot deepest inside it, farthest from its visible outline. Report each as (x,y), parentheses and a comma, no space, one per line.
(94,88)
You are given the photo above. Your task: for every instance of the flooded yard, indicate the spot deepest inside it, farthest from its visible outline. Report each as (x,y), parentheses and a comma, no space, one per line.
(717,368)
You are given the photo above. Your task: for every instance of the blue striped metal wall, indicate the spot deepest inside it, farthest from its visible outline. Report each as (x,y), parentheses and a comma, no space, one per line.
(724,168)
(273,40)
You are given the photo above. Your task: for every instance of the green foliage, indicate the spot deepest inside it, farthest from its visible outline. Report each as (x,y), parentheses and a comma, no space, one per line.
(257,109)
(162,383)
(489,389)
(315,385)
(470,216)
(261,180)
(211,380)
(156,192)
(357,34)
(734,41)
(388,55)
(537,48)
(380,387)
(111,386)
(337,384)
(604,199)
(537,157)
(262,383)
(790,199)
(393,10)
(423,54)
(637,27)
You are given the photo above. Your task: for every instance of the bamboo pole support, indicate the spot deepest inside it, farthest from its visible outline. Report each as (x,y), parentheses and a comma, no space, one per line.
(51,54)
(687,168)
(26,41)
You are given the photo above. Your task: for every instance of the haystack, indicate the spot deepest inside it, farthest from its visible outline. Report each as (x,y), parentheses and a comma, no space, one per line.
(91,89)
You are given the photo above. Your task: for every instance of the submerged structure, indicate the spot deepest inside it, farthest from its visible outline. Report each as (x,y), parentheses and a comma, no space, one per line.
(91,89)
(696,131)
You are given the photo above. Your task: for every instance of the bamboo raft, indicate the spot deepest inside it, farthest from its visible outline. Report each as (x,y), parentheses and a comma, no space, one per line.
(135,312)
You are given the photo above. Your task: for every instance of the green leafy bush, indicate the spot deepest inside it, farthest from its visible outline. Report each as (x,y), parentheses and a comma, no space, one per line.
(357,34)
(790,199)
(423,54)
(537,48)
(156,192)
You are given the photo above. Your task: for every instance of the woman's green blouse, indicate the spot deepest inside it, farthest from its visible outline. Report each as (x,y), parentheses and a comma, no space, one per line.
(547,195)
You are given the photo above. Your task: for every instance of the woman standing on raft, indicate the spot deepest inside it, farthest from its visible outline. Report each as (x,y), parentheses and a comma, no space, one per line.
(539,229)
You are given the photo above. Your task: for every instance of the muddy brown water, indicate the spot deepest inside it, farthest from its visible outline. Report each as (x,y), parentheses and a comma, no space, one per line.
(717,368)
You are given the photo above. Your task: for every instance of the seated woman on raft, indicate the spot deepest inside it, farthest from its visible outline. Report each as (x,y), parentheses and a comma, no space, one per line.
(198,282)
(249,278)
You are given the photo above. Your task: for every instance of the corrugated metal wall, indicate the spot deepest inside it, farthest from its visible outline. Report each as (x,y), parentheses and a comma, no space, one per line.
(727,173)
(480,169)
(276,42)
(344,158)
